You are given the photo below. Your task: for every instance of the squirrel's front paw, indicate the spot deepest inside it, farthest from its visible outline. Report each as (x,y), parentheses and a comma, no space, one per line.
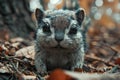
(43,73)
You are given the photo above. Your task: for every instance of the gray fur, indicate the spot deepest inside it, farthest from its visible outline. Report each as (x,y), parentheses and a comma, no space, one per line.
(67,53)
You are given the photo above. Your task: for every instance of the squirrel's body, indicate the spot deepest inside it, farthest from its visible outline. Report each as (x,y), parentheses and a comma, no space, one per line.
(59,40)
(59,59)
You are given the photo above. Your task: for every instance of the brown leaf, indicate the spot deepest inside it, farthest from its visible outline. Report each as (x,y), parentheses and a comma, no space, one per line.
(12,51)
(117,61)
(4,34)
(78,70)
(1,49)
(26,52)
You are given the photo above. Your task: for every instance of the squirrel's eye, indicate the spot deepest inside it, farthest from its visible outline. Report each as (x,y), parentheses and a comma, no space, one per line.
(73,30)
(46,28)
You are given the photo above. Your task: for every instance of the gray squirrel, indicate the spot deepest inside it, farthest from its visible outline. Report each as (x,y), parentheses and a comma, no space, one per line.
(60,41)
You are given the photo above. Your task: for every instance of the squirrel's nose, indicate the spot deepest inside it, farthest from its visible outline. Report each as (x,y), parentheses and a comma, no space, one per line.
(59,37)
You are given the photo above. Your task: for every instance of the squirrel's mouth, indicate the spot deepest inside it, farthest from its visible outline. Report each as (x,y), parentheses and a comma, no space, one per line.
(59,47)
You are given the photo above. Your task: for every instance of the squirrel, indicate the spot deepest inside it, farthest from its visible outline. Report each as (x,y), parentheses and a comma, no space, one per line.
(60,41)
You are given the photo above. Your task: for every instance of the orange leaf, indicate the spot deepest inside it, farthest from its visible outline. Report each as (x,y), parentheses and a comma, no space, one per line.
(59,74)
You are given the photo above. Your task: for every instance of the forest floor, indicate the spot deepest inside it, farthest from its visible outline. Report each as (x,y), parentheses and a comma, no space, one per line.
(103,55)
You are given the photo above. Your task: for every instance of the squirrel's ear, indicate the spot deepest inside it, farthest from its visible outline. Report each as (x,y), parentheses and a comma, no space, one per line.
(39,14)
(80,15)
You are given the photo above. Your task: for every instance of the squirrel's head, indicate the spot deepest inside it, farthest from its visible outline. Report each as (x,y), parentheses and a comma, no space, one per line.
(59,29)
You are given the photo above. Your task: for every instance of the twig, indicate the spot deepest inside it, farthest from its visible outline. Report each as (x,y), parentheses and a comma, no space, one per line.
(109,46)
(113,69)
(99,59)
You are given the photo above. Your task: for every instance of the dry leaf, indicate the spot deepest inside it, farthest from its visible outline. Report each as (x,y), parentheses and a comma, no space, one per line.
(78,70)
(59,74)
(117,61)
(1,49)
(28,52)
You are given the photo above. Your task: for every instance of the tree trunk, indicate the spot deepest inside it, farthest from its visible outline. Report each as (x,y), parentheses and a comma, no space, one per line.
(15,18)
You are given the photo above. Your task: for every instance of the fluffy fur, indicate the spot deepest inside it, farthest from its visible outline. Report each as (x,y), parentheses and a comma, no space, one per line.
(59,40)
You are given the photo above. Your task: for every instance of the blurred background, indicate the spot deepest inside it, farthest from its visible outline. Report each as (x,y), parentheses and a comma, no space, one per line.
(17,20)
